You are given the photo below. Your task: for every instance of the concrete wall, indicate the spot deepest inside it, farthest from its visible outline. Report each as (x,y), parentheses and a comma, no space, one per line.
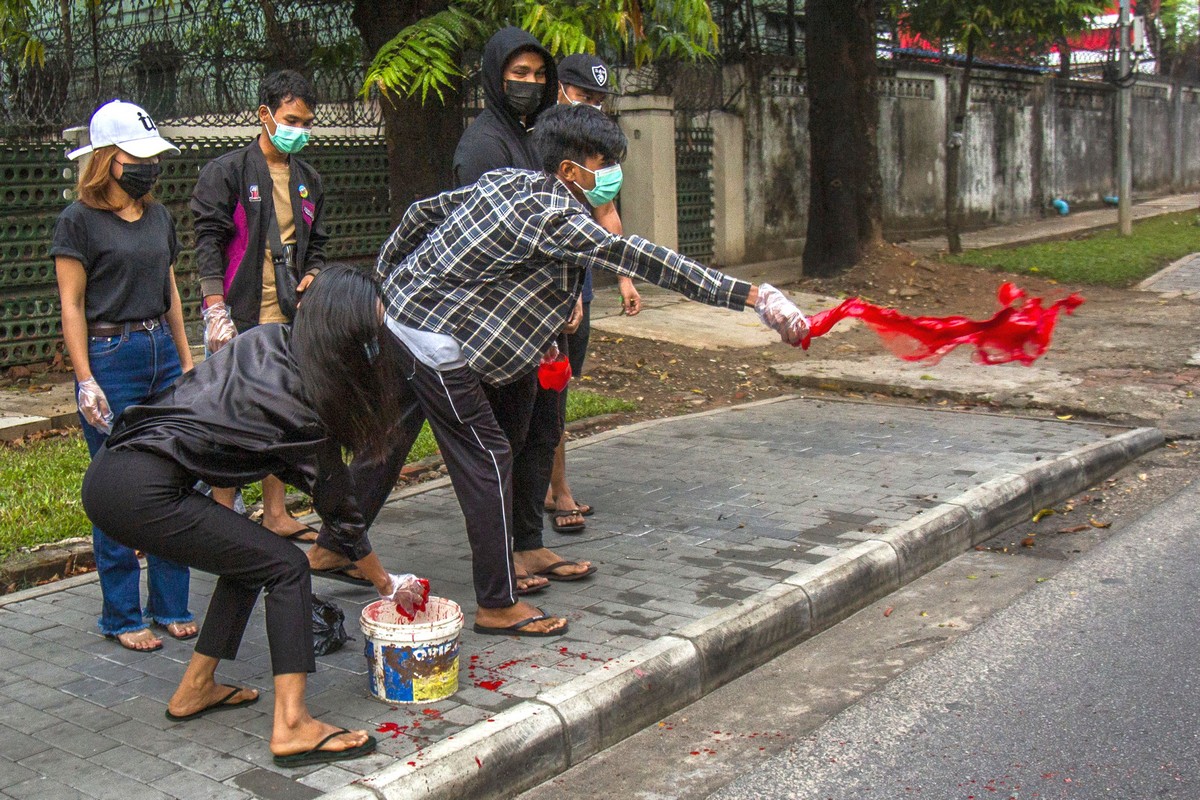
(1029,139)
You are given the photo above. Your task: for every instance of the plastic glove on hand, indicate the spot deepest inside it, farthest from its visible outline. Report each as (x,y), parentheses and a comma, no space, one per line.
(93,405)
(781,315)
(219,329)
(409,593)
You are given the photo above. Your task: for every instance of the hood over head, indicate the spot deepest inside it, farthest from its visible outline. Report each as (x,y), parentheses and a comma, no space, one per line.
(496,53)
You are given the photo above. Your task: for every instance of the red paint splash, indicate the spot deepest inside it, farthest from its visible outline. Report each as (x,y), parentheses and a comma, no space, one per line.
(432,713)
(491,686)
(393,728)
(1019,331)
(478,763)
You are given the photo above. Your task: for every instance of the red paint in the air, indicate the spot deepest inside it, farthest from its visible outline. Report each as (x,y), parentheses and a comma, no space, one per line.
(1019,331)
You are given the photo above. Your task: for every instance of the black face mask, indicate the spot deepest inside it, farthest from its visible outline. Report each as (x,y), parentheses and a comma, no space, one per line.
(524,97)
(138,179)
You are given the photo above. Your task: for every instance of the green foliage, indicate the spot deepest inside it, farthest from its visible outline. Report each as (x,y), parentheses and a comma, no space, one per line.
(1103,258)
(964,23)
(424,57)
(15,34)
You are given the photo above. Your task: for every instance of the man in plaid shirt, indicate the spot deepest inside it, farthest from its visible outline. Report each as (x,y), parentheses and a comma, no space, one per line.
(477,283)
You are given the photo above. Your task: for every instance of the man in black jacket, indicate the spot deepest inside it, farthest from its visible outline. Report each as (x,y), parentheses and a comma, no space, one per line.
(237,198)
(519,82)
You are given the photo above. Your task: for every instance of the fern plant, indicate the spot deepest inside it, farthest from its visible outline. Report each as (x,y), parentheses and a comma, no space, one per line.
(424,58)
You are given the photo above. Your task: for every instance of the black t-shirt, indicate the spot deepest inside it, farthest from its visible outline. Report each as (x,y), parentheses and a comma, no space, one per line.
(127,263)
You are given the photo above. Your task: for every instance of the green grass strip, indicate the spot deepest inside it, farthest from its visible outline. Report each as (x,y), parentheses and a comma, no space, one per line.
(40,481)
(1105,257)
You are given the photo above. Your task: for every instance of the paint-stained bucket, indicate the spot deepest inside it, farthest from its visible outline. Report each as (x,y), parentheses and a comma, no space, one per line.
(412,662)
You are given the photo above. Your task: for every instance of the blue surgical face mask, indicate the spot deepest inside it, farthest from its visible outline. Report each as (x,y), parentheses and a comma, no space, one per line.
(288,138)
(608,185)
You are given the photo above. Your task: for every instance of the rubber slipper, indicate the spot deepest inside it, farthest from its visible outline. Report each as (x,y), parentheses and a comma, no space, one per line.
(518,628)
(318,756)
(305,531)
(582,510)
(561,528)
(340,574)
(549,572)
(531,589)
(221,705)
(117,639)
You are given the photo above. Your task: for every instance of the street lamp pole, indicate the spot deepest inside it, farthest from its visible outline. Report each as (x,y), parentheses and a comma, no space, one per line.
(1124,124)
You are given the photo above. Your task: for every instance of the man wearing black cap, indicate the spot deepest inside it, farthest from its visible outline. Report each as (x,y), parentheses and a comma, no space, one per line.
(583,79)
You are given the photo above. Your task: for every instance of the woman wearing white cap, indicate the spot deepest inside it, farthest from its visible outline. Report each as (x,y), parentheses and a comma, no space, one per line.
(114,252)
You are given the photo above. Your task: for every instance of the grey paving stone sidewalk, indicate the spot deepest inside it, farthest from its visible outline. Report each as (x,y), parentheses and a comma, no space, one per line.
(692,514)
(1183,276)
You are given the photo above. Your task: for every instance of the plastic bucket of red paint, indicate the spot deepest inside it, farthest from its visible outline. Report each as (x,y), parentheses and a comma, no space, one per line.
(412,662)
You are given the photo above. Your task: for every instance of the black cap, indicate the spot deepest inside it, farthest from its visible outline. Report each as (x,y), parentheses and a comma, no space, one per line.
(585,71)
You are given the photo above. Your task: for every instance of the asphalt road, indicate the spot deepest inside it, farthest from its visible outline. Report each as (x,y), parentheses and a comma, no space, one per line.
(1086,687)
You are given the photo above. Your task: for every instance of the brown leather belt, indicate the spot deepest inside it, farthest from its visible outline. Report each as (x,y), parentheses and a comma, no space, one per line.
(124,328)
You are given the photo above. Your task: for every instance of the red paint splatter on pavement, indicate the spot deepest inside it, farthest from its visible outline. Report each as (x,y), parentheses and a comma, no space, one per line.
(391,727)
(491,686)
(478,763)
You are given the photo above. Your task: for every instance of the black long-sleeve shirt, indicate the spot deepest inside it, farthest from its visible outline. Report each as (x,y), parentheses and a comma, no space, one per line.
(241,415)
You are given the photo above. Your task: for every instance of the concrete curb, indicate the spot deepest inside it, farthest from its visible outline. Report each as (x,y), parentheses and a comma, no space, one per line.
(543,737)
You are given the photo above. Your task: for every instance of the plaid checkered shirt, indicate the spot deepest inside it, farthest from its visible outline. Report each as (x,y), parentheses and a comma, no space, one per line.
(498,266)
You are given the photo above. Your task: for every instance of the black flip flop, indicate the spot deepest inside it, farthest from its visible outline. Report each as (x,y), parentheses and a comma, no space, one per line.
(518,628)
(560,528)
(584,510)
(532,590)
(295,535)
(221,705)
(318,756)
(117,638)
(549,572)
(340,574)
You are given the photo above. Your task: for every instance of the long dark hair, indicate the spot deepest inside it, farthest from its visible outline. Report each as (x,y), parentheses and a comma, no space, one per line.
(353,385)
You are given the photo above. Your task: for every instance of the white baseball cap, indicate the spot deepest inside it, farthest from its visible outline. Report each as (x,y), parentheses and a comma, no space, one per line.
(127,126)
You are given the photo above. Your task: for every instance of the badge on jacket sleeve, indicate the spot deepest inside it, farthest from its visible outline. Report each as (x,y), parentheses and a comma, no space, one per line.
(254,195)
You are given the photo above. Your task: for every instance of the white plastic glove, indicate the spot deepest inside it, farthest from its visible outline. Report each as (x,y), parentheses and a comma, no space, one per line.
(94,405)
(780,314)
(219,329)
(409,593)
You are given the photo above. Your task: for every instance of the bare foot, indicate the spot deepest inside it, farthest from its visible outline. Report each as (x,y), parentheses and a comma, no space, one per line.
(531,562)
(190,699)
(531,583)
(287,525)
(182,630)
(304,736)
(506,617)
(321,559)
(142,640)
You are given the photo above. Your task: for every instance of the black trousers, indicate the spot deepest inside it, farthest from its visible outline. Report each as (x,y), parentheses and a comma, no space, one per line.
(493,443)
(148,502)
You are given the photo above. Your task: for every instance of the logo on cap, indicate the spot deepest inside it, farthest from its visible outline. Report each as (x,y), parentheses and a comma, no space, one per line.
(600,74)
(147,123)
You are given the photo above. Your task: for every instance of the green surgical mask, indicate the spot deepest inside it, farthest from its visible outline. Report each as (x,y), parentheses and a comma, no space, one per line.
(608,184)
(288,138)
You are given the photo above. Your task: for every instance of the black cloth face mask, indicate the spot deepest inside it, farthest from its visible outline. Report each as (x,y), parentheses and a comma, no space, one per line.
(138,179)
(523,97)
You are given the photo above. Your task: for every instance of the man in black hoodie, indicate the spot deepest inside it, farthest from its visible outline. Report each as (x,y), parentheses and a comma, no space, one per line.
(519,82)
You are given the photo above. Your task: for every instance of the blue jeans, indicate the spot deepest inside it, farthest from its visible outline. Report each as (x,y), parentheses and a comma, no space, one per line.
(131,369)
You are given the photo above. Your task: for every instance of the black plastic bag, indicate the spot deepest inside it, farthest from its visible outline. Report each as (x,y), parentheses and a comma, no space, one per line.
(329,629)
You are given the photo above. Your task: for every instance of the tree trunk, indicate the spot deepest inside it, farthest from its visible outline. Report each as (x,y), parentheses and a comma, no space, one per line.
(954,152)
(844,209)
(420,139)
